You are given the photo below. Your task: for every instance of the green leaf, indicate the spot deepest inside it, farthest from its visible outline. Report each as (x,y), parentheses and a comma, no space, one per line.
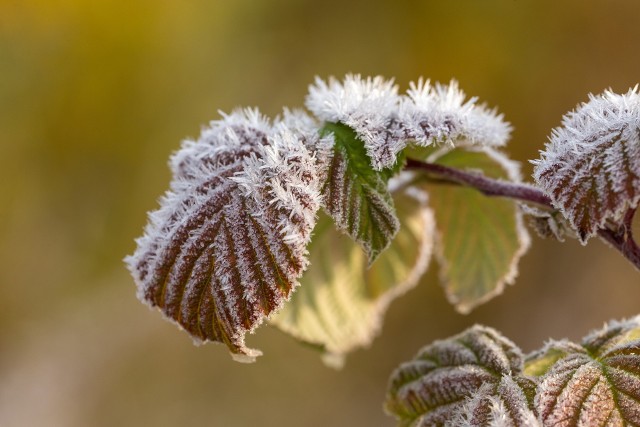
(481,239)
(356,196)
(539,362)
(596,384)
(458,381)
(341,301)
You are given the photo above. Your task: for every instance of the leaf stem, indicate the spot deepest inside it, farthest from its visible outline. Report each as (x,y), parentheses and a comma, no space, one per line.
(482,183)
(620,239)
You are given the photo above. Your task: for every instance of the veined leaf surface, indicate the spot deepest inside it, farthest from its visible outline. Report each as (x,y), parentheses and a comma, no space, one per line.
(591,166)
(596,385)
(457,382)
(356,196)
(228,243)
(342,300)
(481,239)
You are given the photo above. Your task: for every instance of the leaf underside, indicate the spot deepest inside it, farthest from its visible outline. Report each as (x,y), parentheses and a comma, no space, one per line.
(356,196)
(481,239)
(469,379)
(342,300)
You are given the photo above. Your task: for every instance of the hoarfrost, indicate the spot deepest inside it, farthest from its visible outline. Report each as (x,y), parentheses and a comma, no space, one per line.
(465,380)
(591,165)
(387,122)
(228,243)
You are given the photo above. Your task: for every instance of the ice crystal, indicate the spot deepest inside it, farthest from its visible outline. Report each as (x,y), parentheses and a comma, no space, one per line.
(387,122)
(366,106)
(591,165)
(440,113)
(228,243)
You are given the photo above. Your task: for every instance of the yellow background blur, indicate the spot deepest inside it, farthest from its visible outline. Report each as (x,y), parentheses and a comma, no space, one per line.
(95,95)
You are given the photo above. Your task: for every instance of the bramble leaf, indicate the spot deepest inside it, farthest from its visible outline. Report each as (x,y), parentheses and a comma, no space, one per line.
(386,122)
(356,196)
(341,302)
(481,239)
(591,166)
(472,377)
(539,362)
(506,404)
(228,243)
(597,384)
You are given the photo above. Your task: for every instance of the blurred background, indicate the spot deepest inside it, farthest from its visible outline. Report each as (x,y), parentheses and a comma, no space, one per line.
(95,95)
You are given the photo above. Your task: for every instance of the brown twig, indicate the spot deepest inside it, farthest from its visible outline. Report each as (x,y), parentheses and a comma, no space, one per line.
(620,239)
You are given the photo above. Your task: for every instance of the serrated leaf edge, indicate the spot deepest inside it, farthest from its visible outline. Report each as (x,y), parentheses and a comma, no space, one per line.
(524,239)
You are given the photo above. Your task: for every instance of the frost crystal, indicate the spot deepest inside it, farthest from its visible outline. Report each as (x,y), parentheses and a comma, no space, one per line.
(591,165)
(228,243)
(386,122)
(365,105)
(440,114)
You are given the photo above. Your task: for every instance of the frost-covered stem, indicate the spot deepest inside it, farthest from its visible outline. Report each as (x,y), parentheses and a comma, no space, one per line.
(621,240)
(486,185)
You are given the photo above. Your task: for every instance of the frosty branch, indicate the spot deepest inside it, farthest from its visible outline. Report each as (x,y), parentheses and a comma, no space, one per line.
(316,221)
(619,237)
(487,186)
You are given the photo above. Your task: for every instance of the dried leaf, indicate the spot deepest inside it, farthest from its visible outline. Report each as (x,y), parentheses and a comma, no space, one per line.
(460,379)
(341,302)
(591,165)
(228,243)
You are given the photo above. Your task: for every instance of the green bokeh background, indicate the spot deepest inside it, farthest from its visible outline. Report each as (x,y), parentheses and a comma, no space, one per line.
(95,95)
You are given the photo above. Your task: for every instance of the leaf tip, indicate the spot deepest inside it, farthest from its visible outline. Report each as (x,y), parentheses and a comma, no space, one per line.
(249,356)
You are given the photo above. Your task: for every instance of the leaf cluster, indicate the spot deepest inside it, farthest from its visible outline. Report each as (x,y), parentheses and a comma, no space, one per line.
(480,378)
(350,200)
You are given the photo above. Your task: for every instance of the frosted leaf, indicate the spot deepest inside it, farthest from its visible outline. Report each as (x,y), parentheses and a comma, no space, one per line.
(505,404)
(440,113)
(228,243)
(341,302)
(480,239)
(307,128)
(540,361)
(591,165)
(356,196)
(387,122)
(597,383)
(443,380)
(366,106)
